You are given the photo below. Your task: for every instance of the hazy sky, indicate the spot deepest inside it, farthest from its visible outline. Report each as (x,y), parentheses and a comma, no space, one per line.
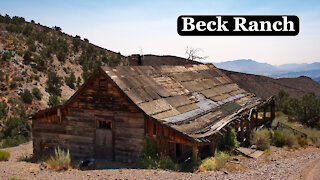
(129,26)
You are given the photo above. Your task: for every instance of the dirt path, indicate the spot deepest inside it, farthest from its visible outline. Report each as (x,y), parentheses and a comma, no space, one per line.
(281,164)
(310,172)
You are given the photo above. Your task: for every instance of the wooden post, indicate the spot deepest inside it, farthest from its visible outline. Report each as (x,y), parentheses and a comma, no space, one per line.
(272,111)
(213,146)
(195,152)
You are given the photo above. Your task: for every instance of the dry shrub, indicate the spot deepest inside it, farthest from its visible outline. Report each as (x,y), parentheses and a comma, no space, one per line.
(302,141)
(285,138)
(4,155)
(261,138)
(207,164)
(60,161)
(313,134)
(220,160)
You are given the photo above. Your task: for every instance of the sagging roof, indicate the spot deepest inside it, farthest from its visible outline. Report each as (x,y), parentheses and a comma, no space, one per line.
(196,100)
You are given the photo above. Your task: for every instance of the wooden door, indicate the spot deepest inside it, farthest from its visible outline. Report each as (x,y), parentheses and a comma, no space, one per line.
(104,137)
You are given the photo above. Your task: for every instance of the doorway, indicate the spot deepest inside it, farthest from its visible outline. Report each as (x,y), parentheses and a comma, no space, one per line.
(104,137)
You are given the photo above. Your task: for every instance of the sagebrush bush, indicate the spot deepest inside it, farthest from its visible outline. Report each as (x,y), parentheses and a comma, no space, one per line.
(302,141)
(285,138)
(166,163)
(4,155)
(261,138)
(220,160)
(207,164)
(60,161)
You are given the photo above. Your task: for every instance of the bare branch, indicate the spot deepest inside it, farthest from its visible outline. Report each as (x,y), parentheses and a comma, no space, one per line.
(193,54)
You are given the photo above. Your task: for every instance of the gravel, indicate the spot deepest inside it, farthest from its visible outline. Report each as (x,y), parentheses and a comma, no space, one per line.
(281,164)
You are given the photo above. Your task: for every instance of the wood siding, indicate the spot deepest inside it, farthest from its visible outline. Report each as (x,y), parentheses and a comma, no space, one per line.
(75,128)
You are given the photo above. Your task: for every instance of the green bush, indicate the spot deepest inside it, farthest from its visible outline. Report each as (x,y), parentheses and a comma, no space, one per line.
(220,160)
(70,81)
(230,140)
(11,142)
(207,164)
(26,96)
(13,84)
(53,101)
(60,161)
(37,93)
(261,138)
(54,83)
(285,138)
(166,163)
(4,155)
(302,141)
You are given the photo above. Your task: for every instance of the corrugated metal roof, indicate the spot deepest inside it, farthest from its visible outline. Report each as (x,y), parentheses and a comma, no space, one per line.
(187,98)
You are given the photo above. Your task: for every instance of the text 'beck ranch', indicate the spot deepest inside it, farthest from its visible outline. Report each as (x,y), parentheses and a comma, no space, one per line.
(238,25)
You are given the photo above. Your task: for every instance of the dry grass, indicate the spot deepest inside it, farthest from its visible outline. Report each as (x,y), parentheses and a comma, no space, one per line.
(60,161)
(261,138)
(207,164)
(4,155)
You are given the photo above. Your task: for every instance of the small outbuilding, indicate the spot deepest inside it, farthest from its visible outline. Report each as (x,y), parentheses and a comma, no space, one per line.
(184,109)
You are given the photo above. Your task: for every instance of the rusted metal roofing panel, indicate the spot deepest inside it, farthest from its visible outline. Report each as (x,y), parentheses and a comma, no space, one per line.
(178,100)
(136,98)
(209,93)
(186,108)
(155,106)
(188,98)
(151,92)
(166,114)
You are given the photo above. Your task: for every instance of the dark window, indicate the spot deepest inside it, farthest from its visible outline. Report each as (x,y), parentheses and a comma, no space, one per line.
(104,124)
(103,84)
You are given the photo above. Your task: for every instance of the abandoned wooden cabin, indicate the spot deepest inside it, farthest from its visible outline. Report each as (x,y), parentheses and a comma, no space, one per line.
(184,109)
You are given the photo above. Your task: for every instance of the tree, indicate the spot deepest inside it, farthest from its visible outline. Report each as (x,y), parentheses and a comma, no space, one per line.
(57,28)
(193,54)
(37,93)
(54,83)
(26,96)
(71,80)
(3,109)
(53,101)
(27,57)
(78,82)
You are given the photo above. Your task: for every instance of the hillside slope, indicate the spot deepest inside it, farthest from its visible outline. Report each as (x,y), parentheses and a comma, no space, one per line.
(264,86)
(29,52)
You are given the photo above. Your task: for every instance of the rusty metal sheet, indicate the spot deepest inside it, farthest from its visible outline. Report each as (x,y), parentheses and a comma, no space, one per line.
(185,76)
(151,93)
(209,93)
(177,101)
(136,98)
(172,86)
(192,86)
(166,114)
(155,106)
(142,94)
(187,108)
(221,80)
(162,92)
(213,115)
(146,70)
(239,91)
(220,97)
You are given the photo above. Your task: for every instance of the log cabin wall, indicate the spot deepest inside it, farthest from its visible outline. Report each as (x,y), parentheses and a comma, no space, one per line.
(76,130)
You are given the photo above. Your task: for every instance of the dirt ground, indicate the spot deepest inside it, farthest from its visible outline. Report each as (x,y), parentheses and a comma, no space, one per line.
(280,164)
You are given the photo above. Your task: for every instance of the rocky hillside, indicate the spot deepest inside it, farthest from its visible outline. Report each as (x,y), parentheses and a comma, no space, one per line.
(30,52)
(264,86)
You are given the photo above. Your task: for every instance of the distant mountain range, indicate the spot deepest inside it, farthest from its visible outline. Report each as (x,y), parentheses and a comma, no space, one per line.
(283,71)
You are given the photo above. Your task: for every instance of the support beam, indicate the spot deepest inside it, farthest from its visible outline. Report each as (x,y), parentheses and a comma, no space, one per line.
(213,146)
(195,152)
